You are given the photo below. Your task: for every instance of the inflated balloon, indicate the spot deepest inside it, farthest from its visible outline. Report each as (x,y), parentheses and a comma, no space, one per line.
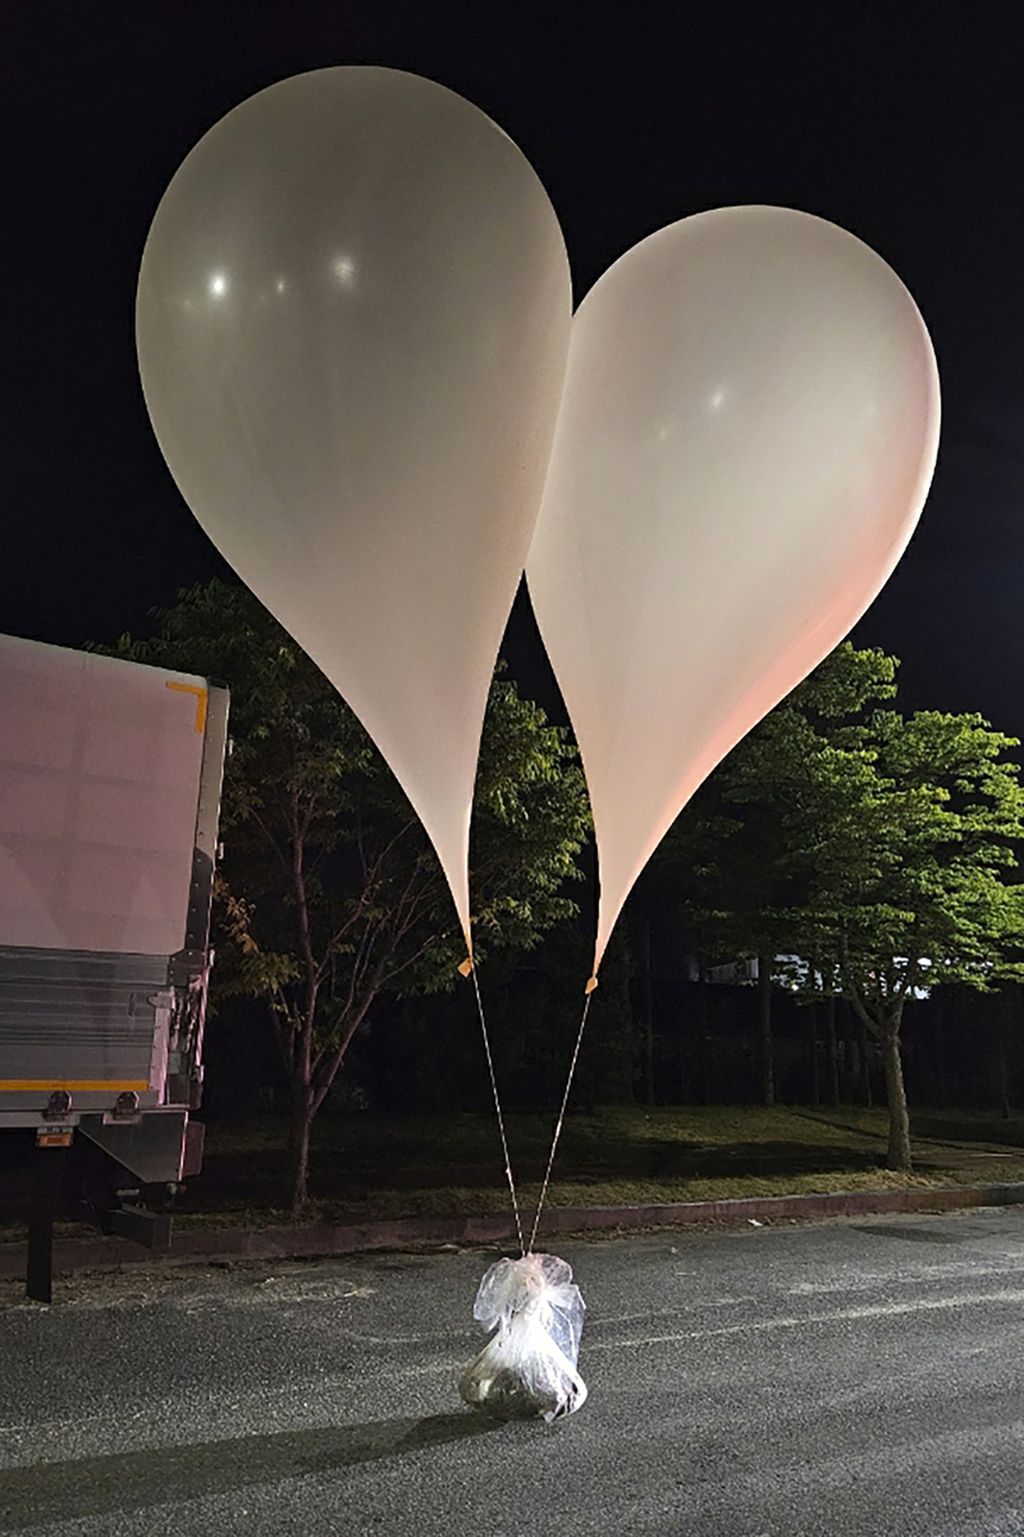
(747,435)
(352,323)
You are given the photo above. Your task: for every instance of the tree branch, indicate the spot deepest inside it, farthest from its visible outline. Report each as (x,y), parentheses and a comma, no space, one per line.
(285,1037)
(372,880)
(269,836)
(326,1068)
(856,997)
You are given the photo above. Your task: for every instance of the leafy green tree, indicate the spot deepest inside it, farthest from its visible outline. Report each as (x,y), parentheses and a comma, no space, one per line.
(742,916)
(722,867)
(329,893)
(900,836)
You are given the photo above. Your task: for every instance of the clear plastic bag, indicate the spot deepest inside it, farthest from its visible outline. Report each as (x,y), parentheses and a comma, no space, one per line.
(528,1369)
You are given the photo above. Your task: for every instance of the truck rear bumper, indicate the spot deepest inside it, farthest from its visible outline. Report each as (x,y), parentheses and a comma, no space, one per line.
(151,1146)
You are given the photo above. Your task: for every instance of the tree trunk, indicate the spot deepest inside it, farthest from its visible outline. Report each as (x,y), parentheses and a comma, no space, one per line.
(812,1018)
(898,1156)
(303,1110)
(852,1077)
(684,1069)
(852,1080)
(1002,1059)
(937,1002)
(298,1149)
(865,1062)
(303,1106)
(833,1052)
(648,1017)
(764,1019)
(706,1065)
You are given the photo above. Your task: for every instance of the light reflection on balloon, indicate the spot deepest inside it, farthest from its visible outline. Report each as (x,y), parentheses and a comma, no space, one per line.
(371,469)
(683,586)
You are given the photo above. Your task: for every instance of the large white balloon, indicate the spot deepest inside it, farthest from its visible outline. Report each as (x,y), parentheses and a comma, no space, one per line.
(747,435)
(352,322)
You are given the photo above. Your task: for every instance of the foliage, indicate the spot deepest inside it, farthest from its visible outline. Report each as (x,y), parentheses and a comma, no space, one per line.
(879,847)
(859,836)
(900,835)
(329,894)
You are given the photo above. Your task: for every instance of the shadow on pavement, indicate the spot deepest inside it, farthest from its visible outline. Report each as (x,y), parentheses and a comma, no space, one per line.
(126,1481)
(912,1234)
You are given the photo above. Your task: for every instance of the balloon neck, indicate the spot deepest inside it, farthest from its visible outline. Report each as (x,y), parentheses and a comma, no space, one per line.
(591,985)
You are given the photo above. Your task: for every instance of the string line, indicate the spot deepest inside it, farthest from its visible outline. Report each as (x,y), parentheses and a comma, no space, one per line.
(561,1118)
(497,1106)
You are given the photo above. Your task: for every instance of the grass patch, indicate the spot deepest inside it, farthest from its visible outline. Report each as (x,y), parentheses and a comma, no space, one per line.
(364,1168)
(447,1166)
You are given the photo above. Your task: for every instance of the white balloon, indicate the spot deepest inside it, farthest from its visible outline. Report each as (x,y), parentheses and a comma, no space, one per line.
(747,435)
(352,322)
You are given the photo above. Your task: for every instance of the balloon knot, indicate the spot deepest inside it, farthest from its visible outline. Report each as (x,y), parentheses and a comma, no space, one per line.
(590,985)
(466,967)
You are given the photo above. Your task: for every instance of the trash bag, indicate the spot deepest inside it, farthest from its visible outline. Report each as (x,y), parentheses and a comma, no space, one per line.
(528,1369)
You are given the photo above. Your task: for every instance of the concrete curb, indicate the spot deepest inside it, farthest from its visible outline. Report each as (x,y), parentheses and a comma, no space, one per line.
(323,1239)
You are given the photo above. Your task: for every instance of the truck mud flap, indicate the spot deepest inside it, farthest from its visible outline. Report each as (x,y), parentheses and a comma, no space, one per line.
(195,1139)
(151,1147)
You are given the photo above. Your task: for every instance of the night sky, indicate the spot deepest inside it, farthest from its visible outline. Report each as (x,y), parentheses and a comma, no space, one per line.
(902,121)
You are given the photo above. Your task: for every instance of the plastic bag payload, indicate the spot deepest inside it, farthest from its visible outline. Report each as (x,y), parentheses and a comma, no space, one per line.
(528,1368)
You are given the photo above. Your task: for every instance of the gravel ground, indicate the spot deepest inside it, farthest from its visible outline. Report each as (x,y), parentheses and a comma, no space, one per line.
(858,1379)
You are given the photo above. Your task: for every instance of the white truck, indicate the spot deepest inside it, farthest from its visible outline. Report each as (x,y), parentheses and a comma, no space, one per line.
(110,782)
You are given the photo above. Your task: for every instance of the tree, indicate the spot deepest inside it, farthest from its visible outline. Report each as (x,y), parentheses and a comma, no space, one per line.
(723,862)
(330,895)
(900,835)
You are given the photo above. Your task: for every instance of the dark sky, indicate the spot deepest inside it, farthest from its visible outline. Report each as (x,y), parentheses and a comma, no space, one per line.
(902,120)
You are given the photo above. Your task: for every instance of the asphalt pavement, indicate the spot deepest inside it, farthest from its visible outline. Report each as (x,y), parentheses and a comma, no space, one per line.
(851,1379)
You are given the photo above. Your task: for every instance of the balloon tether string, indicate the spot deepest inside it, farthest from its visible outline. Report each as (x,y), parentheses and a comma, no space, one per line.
(561,1118)
(497,1106)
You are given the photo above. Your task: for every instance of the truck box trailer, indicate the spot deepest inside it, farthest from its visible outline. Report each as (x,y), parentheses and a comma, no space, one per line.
(110,782)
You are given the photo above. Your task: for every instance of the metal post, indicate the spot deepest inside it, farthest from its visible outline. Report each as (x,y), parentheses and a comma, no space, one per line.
(46,1185)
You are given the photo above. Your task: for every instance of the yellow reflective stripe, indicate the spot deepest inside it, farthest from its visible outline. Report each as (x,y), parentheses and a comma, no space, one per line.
(83,1085)
(200,693)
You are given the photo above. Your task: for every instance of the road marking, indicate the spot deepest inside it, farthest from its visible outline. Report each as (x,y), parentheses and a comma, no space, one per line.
(843,1315)
(920,1275)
